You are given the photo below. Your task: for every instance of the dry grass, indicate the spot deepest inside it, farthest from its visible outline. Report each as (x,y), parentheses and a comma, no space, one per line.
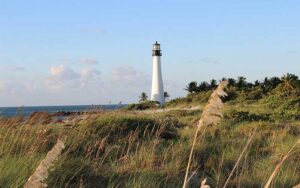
(277,168)
(239,159)
(211,115)
(36,118)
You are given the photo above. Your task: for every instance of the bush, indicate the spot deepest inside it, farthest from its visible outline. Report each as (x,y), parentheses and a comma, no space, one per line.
(191,99)
(231,94)
(241,116)
(254,95)
(143,106)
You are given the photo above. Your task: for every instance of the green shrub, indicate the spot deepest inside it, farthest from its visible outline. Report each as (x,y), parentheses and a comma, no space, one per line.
(143,106)
(254,95)
(193,99)
(231,94)
(241,116)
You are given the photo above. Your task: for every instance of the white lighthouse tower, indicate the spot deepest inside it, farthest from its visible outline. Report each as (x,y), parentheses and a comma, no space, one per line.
(157,93)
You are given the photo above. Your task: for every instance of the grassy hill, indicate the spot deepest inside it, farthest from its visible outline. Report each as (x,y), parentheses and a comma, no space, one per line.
(129,148)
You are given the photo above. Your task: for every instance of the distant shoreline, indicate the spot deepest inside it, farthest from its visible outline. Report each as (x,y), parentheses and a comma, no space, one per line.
(29,106)
(65,109)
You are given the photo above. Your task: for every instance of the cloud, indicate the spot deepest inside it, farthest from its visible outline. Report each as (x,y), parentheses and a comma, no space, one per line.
(88,61)
(88,75)
(65,84)
(128,74)
(63,73)
(62,77)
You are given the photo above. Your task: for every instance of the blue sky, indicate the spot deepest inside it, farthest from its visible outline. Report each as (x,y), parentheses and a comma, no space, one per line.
(94,51)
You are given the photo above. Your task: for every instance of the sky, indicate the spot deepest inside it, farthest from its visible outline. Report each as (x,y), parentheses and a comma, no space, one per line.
(72,52)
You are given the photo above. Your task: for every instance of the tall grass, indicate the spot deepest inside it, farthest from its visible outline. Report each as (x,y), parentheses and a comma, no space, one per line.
(41,172)
(211,115)
(21,149)
(239,159)
(129,149)
(277,168)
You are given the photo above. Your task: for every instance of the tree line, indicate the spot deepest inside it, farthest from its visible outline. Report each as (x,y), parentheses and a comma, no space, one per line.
(288,82)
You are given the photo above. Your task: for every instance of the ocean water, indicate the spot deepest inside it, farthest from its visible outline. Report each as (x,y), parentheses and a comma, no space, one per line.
(27,110)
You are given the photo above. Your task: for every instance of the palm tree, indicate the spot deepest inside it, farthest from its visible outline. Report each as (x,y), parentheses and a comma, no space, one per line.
(213,84)
(266,84)
(257,83)
(203,86)
(289,81)
(166,95)
(241,82)
(192,87)
(274,82)
(143,97)
(231,82)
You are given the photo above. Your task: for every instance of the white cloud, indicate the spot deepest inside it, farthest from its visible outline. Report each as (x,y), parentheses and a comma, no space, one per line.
(57,70)
(62,77)
(72,85)
(89,75)
(63,73)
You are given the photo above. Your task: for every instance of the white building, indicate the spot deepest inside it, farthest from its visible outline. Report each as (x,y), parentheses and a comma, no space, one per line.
(157,92)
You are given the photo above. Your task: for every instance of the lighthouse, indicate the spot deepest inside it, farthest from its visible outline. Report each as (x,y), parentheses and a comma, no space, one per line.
(157,92)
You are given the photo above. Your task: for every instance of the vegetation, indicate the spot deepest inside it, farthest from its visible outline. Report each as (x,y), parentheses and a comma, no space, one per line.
(288,82)
(211,115)
(129,148)
(143,97)
(166,95)
(145,104)
(142,106)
